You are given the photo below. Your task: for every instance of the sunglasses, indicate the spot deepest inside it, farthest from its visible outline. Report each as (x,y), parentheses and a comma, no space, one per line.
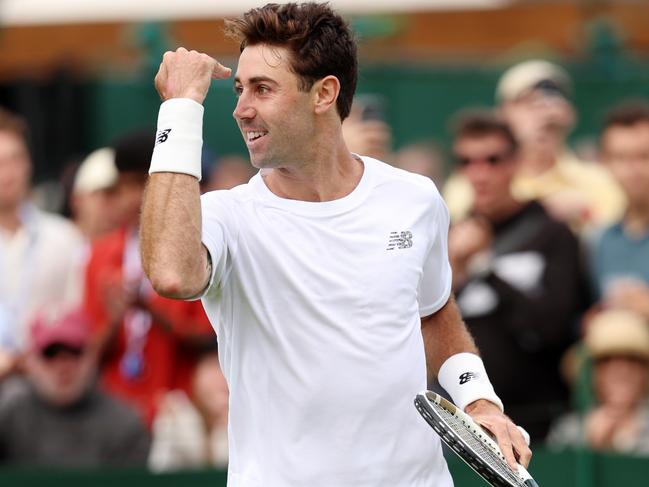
(57,349)
(491,159)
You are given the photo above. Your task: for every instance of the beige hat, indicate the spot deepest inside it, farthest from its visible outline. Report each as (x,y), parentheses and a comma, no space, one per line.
(96,172)
(618,332)
(530,74)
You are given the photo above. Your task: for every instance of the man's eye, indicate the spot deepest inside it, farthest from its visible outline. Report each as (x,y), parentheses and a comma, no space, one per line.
(238,90)
(263,89)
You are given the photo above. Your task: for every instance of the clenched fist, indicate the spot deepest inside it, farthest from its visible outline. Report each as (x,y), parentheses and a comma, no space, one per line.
(187,74)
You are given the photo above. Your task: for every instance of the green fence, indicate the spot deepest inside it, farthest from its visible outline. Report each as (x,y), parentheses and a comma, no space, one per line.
(550,469)
(419,101)
(420,98)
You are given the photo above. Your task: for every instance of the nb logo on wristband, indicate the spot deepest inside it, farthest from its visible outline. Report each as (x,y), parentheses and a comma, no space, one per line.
(162,136)
(467,376)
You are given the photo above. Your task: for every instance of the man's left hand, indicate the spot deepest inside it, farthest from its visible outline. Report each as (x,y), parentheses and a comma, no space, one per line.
(507,435)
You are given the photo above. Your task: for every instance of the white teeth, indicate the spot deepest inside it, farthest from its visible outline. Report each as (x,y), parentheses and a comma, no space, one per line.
(254,135)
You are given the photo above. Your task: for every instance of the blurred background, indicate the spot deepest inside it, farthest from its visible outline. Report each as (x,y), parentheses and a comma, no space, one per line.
(80,73)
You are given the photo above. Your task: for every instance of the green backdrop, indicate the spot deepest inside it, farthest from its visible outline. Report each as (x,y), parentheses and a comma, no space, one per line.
(419,101)
(550,469)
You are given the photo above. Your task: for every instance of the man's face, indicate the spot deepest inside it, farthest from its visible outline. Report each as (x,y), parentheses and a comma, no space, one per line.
(15,170)
(625,149)
(620,381)
(276,119)
(538,117)
(96,211)
(60,374)
(488,162)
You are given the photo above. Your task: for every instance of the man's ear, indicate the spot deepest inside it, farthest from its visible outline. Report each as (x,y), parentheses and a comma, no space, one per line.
(325,92)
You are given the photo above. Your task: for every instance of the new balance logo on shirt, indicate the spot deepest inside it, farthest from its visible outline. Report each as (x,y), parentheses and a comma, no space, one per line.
(399,240)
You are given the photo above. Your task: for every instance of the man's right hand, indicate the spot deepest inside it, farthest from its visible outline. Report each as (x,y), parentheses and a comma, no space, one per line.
(187,74)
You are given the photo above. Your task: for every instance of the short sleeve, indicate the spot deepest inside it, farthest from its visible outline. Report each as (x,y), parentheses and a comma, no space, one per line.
(435,284)
(215,235)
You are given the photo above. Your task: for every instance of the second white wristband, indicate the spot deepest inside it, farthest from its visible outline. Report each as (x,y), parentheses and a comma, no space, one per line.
(179,138)
(464,377)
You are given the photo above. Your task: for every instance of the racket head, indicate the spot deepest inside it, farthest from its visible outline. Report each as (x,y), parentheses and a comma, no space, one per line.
(467,440)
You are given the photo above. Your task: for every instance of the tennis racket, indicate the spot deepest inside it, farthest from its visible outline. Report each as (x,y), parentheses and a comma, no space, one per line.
(470,442)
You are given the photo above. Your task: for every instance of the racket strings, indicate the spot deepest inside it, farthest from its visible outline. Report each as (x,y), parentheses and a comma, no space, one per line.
(472,439)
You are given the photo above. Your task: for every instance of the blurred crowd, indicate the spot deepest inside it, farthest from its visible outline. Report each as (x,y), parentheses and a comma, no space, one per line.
(95,367)
(550,255)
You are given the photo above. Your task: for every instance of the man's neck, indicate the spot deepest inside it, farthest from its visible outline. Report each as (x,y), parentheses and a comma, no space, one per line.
(329,175)
(636,219)
(10,220)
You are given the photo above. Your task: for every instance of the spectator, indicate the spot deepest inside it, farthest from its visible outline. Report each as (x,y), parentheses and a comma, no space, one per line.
(534,98)
(365,132)
(516,275)
(6,364)
(423,158)
(618,342)
(93,189)
(620,254)
(60,418)
(40,253)
(146,341)
(191,431)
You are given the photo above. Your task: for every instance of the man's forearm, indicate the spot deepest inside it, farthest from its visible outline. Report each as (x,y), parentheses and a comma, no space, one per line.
(444,335)
(452,357)
(173,256)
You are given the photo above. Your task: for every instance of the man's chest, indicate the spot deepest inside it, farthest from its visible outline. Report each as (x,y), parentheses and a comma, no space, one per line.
(370,253)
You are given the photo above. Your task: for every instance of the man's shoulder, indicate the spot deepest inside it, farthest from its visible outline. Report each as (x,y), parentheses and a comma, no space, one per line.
(550,226)
(227,197)
(16,397)
(116,412)
(394,179)
(608,236)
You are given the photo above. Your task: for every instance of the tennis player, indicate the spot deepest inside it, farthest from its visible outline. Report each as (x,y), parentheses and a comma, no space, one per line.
(326,277)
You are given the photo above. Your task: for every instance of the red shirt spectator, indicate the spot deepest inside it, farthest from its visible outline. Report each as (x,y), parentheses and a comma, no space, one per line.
(140,366)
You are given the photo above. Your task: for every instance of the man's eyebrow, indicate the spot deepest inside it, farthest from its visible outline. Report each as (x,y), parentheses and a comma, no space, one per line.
(256,79)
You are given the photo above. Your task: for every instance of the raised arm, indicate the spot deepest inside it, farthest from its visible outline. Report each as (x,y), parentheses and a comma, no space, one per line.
(173,256)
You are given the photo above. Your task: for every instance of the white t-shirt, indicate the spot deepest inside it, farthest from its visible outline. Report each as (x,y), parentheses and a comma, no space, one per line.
(317,310)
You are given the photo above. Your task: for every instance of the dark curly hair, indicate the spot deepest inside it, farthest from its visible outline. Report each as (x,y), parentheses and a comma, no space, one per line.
(319,40)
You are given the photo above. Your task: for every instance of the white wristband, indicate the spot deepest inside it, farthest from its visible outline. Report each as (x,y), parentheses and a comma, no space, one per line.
(179,139)
(464,377)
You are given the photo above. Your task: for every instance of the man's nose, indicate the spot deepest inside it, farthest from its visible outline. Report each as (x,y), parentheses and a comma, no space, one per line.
(244,109)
